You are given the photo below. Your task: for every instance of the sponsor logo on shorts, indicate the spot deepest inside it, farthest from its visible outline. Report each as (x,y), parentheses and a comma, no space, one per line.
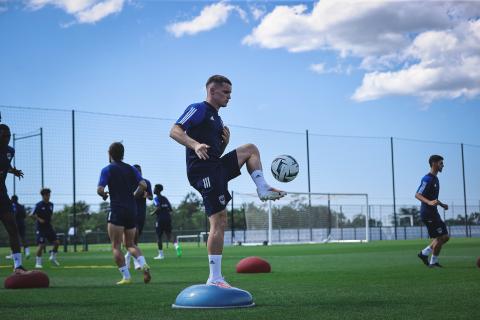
(222,199)
(439,230)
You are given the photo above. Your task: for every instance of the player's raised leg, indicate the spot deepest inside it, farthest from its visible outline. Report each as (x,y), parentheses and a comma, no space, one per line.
(218,221)
(249,155)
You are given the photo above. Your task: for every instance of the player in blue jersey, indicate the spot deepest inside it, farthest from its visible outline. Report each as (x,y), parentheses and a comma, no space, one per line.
(200,129)
(140,219)
(124,184)
(427,193)
(163,220)
(6,212)
(20,215)
(44,230)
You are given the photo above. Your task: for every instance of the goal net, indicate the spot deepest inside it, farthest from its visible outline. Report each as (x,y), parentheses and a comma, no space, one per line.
(304,217)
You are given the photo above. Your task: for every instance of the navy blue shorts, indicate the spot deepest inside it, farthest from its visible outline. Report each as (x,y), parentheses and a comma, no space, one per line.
(163,225)
(46,233)
(213,186)
(436,227)
(122,217)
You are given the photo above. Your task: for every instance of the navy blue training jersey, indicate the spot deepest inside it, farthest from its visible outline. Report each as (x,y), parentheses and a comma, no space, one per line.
(203,124)
(162,207)
(142,202)
(19,212)
(6,156)
(43,210)
(429,188)
(122,180)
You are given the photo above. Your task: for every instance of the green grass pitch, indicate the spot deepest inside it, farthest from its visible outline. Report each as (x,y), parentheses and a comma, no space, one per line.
(377,280)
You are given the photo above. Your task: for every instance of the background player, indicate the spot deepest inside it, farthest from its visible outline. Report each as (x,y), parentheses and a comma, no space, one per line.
(427,193)
(163,221)
(200,129)
(124,184)
(141,214)
(6,215)
(44,230)
(20,215)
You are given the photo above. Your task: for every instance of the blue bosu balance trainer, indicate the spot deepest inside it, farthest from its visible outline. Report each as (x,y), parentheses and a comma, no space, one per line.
(203,296)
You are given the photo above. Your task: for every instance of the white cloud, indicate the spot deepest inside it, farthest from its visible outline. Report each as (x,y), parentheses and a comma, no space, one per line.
(84,11)
(210,17)
(395,40)
(257,12)
(447,67)
(320,68)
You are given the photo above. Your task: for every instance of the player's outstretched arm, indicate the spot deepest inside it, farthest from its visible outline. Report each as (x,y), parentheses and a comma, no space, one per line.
(178,134)
(16,172)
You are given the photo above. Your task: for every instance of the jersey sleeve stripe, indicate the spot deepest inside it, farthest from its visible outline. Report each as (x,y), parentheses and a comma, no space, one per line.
(422,187)
(187,116)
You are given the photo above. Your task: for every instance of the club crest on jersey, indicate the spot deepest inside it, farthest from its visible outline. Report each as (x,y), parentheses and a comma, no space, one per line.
(9,156)
(222,199)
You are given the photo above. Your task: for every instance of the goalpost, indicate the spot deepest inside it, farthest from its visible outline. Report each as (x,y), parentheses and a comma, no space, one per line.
(303,217)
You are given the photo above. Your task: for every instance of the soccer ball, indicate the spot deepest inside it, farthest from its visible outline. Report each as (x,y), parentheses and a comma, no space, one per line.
(284,168)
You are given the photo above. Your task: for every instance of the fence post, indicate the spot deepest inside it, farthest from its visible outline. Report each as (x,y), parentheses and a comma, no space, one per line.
(464,192)
(309,187)
(41,156)
(393,188)
(74,208)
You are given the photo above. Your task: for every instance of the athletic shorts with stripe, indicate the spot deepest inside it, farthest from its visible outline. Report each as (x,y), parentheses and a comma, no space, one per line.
(213,186)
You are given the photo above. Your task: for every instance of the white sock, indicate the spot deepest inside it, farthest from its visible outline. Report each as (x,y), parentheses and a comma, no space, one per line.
(433,259)
(53,255)
(125,273)
(38,260)
(160,252)
(17,260)
(141,261)
(257,177)
(427,251)
(27,251)
(175,245)
(128,255)
(215,264)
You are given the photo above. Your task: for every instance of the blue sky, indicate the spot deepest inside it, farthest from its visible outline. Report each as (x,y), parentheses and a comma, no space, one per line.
(356,68)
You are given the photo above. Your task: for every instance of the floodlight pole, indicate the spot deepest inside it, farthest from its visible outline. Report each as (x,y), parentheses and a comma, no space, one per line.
(393,188)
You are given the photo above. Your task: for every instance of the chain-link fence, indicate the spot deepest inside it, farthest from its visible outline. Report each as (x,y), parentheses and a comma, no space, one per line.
(66,149)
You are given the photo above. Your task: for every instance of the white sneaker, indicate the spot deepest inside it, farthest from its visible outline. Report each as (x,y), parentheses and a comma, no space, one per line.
(38,266)
(270,194)
(219,283)
(54,261)
(8,257)
(159,257)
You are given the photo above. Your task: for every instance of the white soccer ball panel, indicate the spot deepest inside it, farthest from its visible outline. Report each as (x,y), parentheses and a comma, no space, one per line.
(284,168)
